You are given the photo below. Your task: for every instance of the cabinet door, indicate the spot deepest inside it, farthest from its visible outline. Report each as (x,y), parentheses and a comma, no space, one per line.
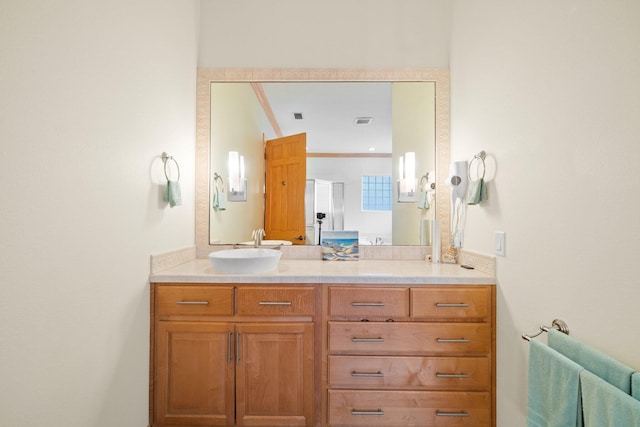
(195,374)
(274,374)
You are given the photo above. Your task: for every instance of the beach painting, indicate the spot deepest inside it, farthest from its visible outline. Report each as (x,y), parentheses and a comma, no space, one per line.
(339,245)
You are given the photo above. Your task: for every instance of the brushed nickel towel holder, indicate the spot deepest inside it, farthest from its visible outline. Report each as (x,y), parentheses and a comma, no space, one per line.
(479,159)
(218,182)
(557,324)
(165,158)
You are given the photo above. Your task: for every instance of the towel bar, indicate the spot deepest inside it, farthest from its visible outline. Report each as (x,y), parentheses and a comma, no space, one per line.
(165,158)
(556,324)
(217,179)
(480,159)
(424,179)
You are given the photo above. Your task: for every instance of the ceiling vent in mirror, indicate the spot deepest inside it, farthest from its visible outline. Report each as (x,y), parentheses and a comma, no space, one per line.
(297,116)
(363,120)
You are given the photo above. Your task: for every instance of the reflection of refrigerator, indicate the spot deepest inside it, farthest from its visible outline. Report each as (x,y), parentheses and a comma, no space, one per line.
(323,197)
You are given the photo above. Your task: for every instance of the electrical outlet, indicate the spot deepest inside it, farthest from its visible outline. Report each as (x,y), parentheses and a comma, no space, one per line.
(500,243)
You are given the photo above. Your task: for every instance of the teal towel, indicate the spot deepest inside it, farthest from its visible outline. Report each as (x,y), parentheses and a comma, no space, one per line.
(423,201)
(173,195)
(605,405)
(477,192)
(554,389)
(219,203)
(635,385)
(604,366)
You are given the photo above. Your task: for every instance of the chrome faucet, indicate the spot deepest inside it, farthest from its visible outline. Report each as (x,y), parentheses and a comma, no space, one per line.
(257,236)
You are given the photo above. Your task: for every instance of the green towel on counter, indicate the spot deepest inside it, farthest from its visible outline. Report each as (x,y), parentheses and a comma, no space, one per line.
(477,192)
(605,405)
(554,389)
(603,365)
(635,385)
(173,195)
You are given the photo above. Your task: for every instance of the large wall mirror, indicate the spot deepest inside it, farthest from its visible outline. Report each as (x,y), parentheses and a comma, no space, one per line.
(361,129)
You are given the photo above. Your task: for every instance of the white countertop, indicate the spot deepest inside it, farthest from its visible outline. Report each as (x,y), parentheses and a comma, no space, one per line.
(317,271)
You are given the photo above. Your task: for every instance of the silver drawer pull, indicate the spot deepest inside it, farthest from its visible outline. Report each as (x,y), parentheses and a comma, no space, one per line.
(192,302)
(367,374)
(451,414)
(367,304)
(460,375)
(455,340)
(275,303)
(360,412)
(445,304)
(356,339)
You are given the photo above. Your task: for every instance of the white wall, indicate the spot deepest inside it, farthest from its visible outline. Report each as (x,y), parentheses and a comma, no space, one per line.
(92,94)
(551,91)
(335,33)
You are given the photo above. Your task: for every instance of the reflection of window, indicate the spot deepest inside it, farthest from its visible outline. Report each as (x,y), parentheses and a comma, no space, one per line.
(376,193)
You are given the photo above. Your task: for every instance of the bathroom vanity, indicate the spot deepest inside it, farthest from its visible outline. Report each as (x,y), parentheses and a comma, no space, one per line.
(313,343)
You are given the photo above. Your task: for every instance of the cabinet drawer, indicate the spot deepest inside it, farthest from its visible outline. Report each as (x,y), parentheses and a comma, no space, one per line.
(276,301)
(450,302)
(368,302)
(408,408)
(194,300)
(436,373)
(371,338)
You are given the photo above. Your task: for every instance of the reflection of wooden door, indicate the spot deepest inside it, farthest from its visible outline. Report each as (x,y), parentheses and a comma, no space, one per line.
(286,174)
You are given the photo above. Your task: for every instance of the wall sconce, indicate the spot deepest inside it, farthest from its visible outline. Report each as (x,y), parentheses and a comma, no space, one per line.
(407,183)
(237,182)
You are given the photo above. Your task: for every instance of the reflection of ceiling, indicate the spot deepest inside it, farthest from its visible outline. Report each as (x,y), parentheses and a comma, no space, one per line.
(329,112)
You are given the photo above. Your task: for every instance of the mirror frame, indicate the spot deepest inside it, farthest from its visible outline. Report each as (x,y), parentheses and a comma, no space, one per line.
(203,127)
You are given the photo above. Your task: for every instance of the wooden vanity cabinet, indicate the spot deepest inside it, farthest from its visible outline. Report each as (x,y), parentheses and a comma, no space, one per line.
(410,356)
(322,355)
(239,355)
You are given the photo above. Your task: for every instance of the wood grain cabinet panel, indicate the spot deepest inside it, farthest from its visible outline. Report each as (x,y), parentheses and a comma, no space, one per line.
(194,300)
(436,373)
(408,408)
(274,384)
(194,374)
(276,301)
(353,302)
(453,302)
(398,338)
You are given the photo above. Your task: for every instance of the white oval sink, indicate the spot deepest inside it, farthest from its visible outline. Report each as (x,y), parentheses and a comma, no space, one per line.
(245,260)
(267,243)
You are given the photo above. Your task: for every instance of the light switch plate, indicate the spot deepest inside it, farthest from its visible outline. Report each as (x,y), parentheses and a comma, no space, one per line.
(500,243)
